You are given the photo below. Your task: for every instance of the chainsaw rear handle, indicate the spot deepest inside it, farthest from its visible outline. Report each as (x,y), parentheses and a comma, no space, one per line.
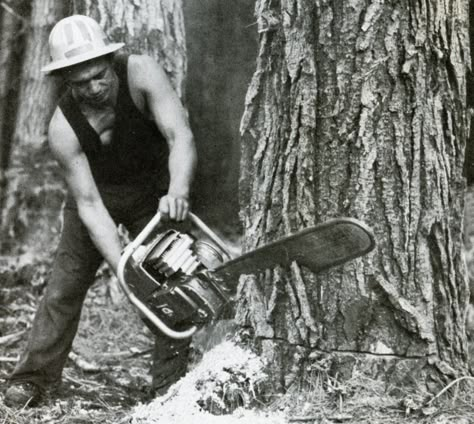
(133,246)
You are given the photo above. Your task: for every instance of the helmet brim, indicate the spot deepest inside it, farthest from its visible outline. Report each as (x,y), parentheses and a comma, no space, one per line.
(65,63)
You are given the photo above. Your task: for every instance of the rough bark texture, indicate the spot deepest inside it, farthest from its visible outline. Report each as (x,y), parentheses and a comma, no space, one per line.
(153,27)
(222,48)
(358,109)
(32,189)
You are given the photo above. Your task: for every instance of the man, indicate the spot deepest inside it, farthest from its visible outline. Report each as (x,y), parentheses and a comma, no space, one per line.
(121,136)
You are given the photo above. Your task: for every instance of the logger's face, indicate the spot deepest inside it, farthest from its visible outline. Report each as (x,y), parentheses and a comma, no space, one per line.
(93,82)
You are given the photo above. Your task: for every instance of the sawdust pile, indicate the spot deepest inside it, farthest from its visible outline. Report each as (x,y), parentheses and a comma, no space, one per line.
(226,369)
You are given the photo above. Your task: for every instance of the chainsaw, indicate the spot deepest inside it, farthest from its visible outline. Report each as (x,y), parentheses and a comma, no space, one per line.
(182,280)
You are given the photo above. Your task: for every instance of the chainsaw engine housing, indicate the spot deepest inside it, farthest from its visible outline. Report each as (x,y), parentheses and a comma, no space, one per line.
(172,275)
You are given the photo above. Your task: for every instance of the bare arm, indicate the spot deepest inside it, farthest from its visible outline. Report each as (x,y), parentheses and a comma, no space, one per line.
(171,118)
(91,209)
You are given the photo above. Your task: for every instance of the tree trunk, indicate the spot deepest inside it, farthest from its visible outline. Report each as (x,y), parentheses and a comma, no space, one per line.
(33,190)
(153,27)
(13,25)
(359,110)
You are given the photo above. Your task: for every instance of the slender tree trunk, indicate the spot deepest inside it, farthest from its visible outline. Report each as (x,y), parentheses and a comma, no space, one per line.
(153,27)
(32,187)
(13,24)
(358,110)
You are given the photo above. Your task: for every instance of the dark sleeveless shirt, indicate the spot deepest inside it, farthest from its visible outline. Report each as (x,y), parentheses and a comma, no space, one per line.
(137,151)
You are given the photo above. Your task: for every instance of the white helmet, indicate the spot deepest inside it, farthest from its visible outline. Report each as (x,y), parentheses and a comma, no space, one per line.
(76,39)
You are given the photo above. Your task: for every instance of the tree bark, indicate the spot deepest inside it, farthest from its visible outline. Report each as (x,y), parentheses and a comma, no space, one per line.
(13,25)
(359,110)
(32,188)
(153,27)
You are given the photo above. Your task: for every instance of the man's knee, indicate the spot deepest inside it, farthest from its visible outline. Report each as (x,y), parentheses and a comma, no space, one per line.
(65,298)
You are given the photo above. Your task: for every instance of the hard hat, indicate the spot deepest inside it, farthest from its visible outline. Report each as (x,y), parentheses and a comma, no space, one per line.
(76,39)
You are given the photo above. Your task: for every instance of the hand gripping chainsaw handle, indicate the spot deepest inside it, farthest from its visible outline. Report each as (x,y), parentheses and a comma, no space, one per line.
(139,304)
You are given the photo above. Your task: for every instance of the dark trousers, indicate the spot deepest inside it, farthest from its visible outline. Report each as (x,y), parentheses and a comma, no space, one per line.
(76,263)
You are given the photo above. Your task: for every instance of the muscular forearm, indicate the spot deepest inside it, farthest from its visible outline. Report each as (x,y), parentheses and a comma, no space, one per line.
(103,233)
(182,163)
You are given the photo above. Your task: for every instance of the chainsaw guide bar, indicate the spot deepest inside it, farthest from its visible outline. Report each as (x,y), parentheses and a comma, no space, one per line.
(318,248)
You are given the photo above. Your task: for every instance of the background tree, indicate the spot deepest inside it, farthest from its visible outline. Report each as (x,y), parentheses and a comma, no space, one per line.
(154,27)
(31,190)
(359,110)
(13,24)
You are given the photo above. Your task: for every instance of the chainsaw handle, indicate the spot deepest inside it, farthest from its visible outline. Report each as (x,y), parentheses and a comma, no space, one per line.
(211,234)
(145,310)
(195,220)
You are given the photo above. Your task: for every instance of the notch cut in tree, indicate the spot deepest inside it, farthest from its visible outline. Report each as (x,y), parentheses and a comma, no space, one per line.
(359,110)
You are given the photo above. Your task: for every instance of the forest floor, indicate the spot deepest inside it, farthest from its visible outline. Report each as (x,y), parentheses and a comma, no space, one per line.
(106,379)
